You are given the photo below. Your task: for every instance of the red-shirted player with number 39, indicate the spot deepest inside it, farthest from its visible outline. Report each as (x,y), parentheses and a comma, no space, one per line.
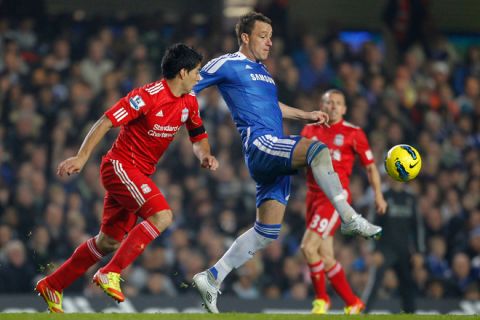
(150,117)
(344,141)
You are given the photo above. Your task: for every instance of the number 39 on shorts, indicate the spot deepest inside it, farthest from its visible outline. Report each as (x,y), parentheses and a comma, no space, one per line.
(318,223)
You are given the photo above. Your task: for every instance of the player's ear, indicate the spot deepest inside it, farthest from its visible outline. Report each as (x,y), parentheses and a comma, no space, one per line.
(245,38)
(182,73)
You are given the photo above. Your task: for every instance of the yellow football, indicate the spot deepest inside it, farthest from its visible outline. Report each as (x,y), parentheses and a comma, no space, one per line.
(403,162)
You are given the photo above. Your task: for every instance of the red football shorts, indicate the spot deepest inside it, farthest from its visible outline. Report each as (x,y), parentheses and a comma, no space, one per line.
(130,194)
(322,217)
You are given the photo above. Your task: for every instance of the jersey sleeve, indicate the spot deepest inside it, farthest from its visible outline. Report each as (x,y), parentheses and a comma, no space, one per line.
(130,107)
(362,148)
(194,123)
(211,74)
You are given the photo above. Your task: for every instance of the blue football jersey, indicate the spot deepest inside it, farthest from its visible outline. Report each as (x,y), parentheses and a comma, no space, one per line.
(249,91)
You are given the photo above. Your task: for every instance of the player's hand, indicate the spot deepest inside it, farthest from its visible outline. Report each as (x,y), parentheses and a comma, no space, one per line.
(70,166)
(318,118)
(209,162)
(381,205)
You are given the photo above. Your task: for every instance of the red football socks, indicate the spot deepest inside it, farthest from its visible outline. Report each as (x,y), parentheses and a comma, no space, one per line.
(339,282)
(132,246)
(85,256)
(317,275)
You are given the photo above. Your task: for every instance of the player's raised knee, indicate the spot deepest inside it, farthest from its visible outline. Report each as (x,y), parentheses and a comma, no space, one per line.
(319,155)
(161,219)
(299,158)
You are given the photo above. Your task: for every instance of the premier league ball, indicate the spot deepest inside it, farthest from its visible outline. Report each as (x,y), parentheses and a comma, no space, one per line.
(403,162)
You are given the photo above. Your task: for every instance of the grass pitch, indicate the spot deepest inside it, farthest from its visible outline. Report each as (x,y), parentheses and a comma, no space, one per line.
(223,316)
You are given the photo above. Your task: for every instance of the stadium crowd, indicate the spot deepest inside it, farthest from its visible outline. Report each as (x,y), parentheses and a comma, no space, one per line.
(56,78)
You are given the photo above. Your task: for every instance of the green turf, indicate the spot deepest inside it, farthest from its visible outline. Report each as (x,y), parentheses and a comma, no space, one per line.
(223,316)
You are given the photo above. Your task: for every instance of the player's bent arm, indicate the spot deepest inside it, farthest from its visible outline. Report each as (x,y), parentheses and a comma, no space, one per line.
(374,180)
(201,149)
(76,163)
(316,117)
(292,113)
(96,133)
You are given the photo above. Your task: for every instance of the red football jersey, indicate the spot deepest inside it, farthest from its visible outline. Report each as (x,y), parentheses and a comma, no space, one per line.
(150,117)
(344,141)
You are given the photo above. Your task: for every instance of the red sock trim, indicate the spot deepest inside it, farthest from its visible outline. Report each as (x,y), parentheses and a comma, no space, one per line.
(92,246)
(337,267)
(316,267)
(150,228)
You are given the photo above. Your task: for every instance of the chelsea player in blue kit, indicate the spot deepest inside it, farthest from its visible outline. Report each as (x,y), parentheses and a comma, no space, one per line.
(271,157)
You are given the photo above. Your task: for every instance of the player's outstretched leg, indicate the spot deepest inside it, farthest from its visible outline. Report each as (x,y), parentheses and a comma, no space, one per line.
(204,282)
(51,287)
(243,248)
(318,158)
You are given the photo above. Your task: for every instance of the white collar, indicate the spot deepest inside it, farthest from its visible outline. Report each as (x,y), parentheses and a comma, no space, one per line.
(245,57)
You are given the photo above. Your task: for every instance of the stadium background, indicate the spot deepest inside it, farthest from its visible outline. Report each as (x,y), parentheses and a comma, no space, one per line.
(62,63)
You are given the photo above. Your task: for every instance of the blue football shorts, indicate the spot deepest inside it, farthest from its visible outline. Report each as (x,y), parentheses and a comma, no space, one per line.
(269,160)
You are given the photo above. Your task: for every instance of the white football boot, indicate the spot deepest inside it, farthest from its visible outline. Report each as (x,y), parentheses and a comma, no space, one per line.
(358,225)
(205,284)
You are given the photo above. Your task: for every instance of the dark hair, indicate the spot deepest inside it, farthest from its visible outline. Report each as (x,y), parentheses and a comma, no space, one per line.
(246,23)
(177,57)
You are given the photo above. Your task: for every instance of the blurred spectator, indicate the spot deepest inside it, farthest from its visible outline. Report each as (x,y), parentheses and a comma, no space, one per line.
(39,249)
(401,246)
(160,285)
(318,72)
(462,275)
(5,237)
(436,261)
(246,285)
(17,274)
(435,289)
(96,64)
(472,92)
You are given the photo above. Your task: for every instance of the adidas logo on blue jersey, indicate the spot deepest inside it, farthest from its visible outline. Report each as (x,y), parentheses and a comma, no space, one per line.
(248,67)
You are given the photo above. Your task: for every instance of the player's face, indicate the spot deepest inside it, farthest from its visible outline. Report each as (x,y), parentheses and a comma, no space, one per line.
(334,105)
(259,42)
(191,78)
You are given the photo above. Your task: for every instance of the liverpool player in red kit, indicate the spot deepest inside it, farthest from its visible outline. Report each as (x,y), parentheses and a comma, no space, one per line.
(344,141)
(150,117)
